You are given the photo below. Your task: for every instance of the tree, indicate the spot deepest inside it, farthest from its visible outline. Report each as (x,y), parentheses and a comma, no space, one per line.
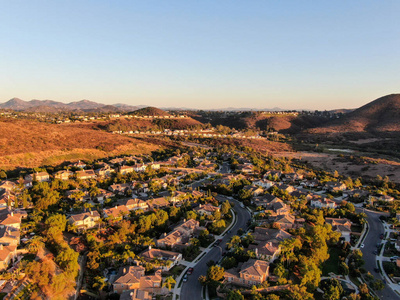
(191,215)
(297,292)
(55,226)
(36,244)
(333,289)
(225,207)
(215,273)
(378,285)
(169,282)
(234,295)
(272,297)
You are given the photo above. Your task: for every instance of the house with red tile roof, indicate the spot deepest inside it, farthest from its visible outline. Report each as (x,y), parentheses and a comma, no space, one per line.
(252,272)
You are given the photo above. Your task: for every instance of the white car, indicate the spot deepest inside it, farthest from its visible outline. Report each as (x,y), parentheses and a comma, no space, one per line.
(362,246)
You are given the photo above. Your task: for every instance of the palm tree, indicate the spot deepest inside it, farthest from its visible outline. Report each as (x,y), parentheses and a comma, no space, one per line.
(169,282)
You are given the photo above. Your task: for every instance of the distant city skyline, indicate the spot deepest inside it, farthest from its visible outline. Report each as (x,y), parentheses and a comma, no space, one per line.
(201,55)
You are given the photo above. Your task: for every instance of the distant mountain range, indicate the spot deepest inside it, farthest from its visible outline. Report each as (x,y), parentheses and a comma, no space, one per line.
(55,106)
(52,106)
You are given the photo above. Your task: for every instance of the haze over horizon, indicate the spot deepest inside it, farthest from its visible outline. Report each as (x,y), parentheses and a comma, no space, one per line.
(298,55)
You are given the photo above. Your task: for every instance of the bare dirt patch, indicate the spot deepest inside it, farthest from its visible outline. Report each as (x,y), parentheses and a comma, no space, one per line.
(345,165)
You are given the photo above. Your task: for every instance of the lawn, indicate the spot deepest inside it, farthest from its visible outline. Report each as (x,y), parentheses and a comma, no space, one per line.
(390,250)
(175,271)
(391,269)
(192,255)
(332,264)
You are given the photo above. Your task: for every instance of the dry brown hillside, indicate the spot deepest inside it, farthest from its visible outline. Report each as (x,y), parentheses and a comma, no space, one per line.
(30,143)
(148,124)
(380,115)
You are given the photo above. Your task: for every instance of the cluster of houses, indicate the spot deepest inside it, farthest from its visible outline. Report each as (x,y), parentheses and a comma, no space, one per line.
(131,281)
(10,224)
(278,217)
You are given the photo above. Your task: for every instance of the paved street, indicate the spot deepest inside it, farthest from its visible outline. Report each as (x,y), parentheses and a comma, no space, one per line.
(375,230)
(192,289)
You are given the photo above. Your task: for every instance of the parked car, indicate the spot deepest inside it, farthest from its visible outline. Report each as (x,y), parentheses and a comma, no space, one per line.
(190,271)
(185,278)
(362,246)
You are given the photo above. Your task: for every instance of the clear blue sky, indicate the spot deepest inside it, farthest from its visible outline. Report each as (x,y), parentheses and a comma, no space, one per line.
(201,54)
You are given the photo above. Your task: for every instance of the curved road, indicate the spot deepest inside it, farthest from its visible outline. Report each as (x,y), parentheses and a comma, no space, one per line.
(192,289)
(373,237)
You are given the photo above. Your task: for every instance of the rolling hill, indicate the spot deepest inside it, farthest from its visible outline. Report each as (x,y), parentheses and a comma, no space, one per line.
(150,111)
(378,116)
(35,143)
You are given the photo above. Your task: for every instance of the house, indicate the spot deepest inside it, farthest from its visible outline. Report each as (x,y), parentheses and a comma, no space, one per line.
(267,242)
(38,176)
(85,174)
(155,165)
(156,203)
(7,199)
(298,194)
(163,255)
(293,176)
(254,190)
(277,208)
(134,278)
(273,174)
(117,212)
(252,272)
(264,183)
(245,168)
(79,165)
(286,187)
(310,183)
(134,204)
(136,295)
(104,171)
(264,200)
(9,218)
(333,186)
(355,193)
(126,169)
(103,195)
(63,175)
(85,220)
(139,167)
(9,236)
(285,222)
(120,188)
(206,209)
(7,186)
(179,237)
(384,198)
(7,253)
(323,203)
(341,225)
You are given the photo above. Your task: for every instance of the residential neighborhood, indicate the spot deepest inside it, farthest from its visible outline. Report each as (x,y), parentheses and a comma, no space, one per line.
(137,229)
